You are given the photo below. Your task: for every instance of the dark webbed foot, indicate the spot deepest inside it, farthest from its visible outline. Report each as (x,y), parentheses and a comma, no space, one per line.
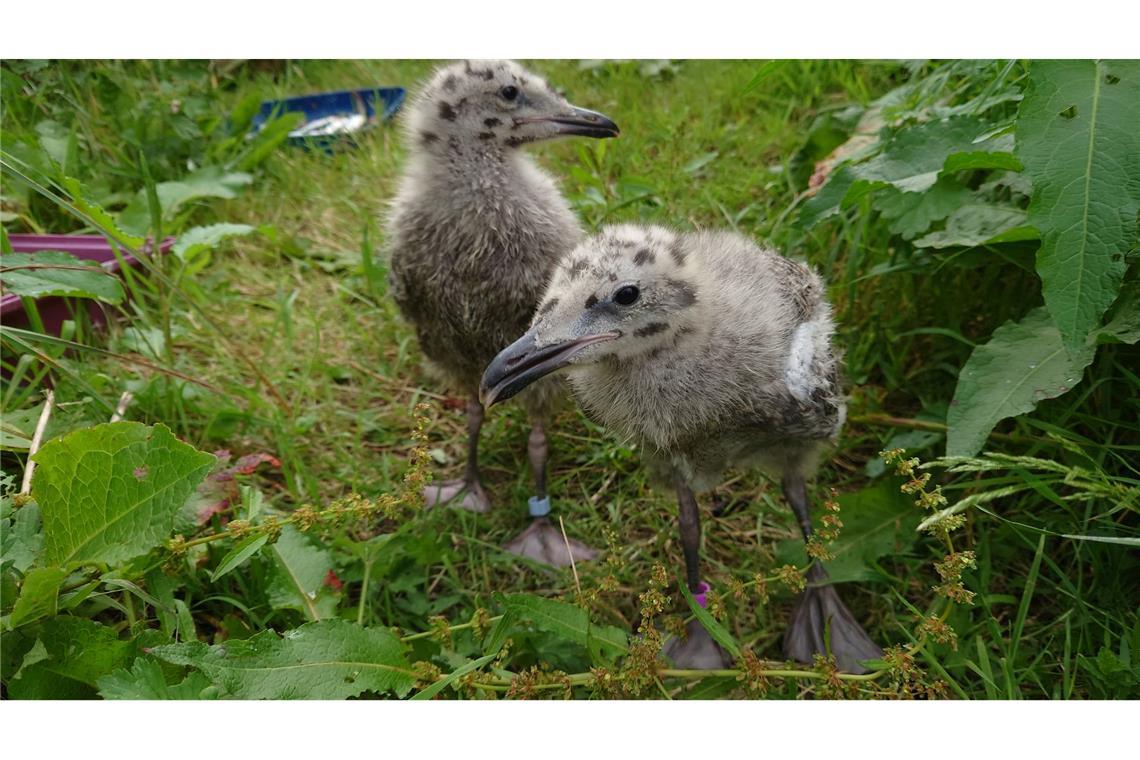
(467,492)
(542,541)
(697,651)
(461,494)
(820,612)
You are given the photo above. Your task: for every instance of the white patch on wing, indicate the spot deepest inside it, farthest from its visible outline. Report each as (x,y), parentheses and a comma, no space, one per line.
(797,372)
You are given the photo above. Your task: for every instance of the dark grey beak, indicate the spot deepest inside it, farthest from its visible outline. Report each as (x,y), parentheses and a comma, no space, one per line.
(521,363)
(579,121)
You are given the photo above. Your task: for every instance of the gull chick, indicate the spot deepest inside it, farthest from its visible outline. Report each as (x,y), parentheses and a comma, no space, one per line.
(474,231)
(709,352)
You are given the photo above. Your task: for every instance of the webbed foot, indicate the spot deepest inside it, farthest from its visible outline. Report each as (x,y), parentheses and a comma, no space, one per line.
(542,541)
(820,612)
(697,651)
(460,494)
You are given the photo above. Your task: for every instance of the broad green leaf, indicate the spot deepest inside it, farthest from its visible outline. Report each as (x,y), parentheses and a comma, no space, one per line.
(39,595)
(568,621)
(825,203)
(978,224)
(910,161)
(13,440)
(110,493)
(23,541)
(1078,137)
(911,214)
(241,551)
(329,659)
(981,160)
(210,182)
(299,576)
(1023,364)
(719,633)
(55,273)
(145,680)
(58,142)
(75,653)
(198,239)
(913,157)
(1124,326)
(877,521)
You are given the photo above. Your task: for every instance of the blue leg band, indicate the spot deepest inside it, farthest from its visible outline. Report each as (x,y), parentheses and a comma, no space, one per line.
(539,507)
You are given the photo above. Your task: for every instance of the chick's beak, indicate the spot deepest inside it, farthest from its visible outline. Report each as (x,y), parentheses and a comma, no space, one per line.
(578,121)
(523,362)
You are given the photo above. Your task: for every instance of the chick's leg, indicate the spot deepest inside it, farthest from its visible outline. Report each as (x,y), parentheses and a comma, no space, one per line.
(819,611)
(543,541)
(698,650)
(469,487)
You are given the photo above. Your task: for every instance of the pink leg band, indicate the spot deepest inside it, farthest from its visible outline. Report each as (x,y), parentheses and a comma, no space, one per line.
(702,589)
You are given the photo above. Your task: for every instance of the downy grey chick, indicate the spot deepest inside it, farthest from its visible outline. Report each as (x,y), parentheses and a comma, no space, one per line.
(474,231)
(710,353)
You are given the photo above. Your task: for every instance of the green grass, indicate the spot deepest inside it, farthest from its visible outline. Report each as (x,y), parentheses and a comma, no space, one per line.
(698,149)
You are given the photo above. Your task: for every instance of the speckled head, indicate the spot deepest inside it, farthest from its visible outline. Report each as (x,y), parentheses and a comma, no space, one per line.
(623,294)
(496,103)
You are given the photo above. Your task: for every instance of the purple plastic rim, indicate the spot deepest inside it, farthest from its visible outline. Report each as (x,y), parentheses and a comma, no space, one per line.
(86,247)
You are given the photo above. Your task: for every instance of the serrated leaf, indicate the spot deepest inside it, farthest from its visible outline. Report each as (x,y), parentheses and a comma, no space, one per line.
(241,551)
(110,493)
(1078,139)
(911,214)
(329,659)
(97,215)
(299,576)
(56,273)
(912,159)
(877,521)
(979,224)
(39,595)
(719,633)
(145,680)
(568,621)
(1022,364)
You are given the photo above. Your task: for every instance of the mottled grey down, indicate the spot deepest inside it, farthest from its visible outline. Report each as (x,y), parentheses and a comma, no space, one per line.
(725,360)
(476,227)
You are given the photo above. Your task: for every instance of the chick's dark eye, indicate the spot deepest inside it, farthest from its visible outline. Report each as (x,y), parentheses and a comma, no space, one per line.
(510,92)
(626,295)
